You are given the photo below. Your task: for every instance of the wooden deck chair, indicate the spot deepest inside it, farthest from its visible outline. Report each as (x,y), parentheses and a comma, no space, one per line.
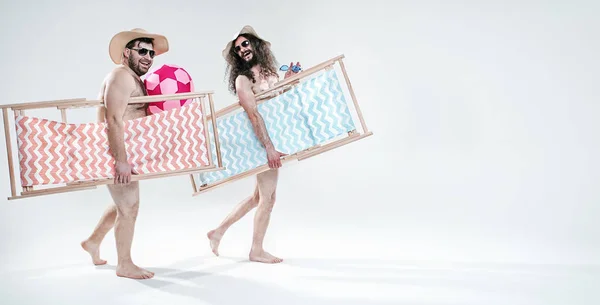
(56,157)
(305,115)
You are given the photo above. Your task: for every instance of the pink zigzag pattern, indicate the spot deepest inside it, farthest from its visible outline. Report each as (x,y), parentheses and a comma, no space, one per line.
(52,152)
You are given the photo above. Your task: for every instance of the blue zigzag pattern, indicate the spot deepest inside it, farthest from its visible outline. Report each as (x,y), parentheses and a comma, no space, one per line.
(309,114)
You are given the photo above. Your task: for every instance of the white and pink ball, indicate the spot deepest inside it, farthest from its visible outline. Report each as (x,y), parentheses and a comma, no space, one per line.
(168,79)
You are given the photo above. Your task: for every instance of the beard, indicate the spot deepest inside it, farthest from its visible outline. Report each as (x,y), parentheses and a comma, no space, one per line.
(137,67)
(247,64)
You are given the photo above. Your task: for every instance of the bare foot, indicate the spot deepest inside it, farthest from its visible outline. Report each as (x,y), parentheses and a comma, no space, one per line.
(215,239)
(264,257)
(134,272)
(94,250)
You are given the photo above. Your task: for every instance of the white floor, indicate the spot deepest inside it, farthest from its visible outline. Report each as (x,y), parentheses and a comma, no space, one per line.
(324,263)
(205,280)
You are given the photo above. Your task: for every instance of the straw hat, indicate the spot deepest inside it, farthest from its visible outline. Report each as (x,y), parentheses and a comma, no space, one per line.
(120,40)
(245,30)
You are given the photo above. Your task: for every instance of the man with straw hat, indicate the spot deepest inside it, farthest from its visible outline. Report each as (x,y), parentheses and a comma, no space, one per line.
(133,52)
(252,69)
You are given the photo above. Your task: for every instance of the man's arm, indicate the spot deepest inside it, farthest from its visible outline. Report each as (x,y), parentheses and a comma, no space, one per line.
(117,94)
(248,102)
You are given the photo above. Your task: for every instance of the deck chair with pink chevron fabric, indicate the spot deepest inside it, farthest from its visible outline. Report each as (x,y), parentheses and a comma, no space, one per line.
(55,156)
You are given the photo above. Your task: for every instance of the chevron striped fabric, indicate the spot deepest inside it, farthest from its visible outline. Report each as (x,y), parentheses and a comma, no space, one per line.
(309,114)
(52,152)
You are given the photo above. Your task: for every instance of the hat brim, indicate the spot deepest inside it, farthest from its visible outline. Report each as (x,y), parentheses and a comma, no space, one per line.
(245,30)
(120,40)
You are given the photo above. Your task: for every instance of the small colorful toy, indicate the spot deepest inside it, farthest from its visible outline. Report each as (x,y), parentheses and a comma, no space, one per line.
(295,68)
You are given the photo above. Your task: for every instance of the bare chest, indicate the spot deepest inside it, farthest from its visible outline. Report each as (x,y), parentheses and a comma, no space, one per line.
(134,110)
(263,84)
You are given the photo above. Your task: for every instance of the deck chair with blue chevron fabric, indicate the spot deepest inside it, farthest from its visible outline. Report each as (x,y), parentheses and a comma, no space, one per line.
(305,115)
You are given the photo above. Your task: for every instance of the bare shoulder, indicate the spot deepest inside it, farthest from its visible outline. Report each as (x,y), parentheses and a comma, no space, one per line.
(120,78)
(242,83)
(120,85)
(243,87)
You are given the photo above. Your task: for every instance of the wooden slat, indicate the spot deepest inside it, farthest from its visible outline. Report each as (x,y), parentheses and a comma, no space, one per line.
(9,153)
(245,174)
(332,145)
(81,102)
(42,104)
(176,96)
(93,184)
(63,115)
(194,186)
(354,100)
(84,104)
(215,132)
(50,191)
(140,177)
(206,134)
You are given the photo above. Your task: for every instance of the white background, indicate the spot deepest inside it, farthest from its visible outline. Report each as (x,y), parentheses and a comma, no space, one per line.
(485,151)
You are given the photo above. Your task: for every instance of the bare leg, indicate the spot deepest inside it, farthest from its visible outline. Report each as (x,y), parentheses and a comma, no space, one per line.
(267,186)
(236,214)
(107,222)
(127,200)
(92,244)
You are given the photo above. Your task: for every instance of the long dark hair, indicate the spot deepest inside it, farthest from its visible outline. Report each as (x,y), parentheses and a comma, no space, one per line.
(237,66)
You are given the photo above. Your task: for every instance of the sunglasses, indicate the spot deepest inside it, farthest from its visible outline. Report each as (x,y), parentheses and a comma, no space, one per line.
(144,51)
(244,44)
(295,68)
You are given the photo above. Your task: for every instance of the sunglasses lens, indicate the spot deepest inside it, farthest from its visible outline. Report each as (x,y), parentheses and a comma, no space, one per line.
(144,51)
(244,44)
(284,68)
